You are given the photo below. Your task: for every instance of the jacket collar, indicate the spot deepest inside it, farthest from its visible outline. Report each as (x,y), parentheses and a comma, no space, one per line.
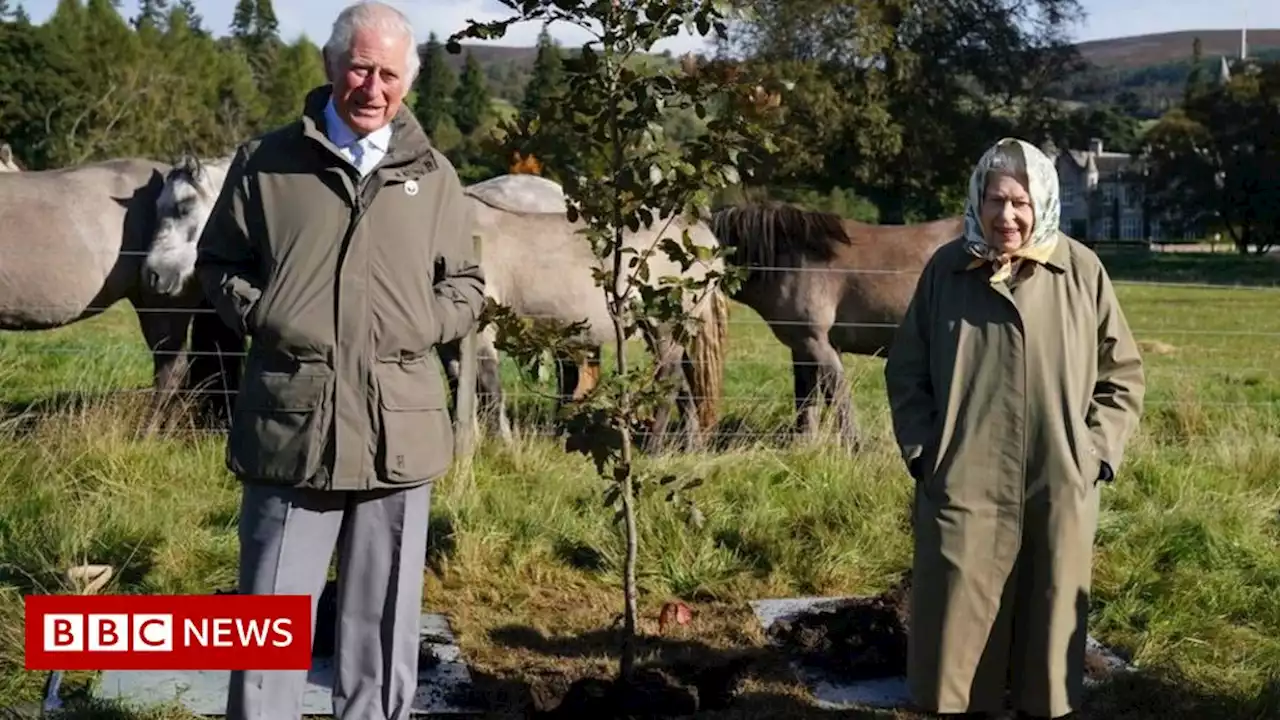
(341,134)
(409,155)
(1059,260)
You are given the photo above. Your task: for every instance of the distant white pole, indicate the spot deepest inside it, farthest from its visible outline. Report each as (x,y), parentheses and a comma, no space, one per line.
(1244,32)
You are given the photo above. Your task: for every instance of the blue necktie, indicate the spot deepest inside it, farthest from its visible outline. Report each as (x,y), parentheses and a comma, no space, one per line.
(358,157)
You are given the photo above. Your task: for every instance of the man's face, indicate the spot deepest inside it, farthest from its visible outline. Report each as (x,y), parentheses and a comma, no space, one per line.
(370,84)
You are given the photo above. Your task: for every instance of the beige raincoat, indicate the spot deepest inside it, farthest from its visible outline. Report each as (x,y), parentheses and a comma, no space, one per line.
(1011,398)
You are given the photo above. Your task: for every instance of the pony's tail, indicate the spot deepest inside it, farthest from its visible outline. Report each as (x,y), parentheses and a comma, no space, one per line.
(707,353)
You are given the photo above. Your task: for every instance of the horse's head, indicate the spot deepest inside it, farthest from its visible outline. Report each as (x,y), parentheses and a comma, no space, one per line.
(190,189)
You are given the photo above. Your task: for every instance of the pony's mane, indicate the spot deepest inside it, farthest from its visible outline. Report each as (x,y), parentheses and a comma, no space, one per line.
(189,167)
(770,235)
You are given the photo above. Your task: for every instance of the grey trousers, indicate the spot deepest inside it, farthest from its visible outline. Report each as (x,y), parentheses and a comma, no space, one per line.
(287,537)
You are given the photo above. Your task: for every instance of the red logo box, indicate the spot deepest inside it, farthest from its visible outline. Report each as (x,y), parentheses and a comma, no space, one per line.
(168,632)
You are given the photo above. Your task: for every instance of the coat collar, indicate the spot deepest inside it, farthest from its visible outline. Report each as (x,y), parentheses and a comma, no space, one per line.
(409,152)
(1058,261)
(341,134)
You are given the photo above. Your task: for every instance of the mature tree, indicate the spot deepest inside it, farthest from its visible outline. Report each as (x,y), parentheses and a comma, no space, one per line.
(39,82)
(1117,131)
(151,14)
(926,86)
(1211,164)
(299,68)
(194,21)
(546,84)
(434,86)
(257,33)
(471,97)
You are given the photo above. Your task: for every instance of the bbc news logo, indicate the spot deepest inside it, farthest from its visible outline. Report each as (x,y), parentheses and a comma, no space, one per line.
(168,632)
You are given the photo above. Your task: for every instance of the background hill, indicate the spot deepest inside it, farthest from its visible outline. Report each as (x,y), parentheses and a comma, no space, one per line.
(1139,51)
(1151,67)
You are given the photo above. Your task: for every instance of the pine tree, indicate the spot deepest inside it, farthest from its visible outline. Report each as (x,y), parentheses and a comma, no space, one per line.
(256,31)
(434,86)
(471,98)
(266,28)
(242,20)
(547,80)
(151,14)
(193,18)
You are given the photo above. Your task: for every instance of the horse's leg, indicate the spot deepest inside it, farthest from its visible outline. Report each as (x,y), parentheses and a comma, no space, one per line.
(804,365)
(833,385)
(669,358)
(840,394)
(489,399)
(215,367)
(688,405)
(165,331)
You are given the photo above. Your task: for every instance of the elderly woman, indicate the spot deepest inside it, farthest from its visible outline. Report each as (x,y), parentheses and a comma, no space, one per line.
(1014,385)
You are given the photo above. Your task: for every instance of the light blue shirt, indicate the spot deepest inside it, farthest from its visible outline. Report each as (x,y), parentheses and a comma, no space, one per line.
(363,152)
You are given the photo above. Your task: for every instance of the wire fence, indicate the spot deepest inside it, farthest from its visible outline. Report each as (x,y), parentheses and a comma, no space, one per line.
(758,401)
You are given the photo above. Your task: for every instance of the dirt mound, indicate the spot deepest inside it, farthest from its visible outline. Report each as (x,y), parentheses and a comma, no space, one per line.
(653,692)
(860,639)
(866,638)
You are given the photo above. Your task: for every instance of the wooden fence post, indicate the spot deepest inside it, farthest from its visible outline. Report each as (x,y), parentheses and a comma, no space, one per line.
(466,425)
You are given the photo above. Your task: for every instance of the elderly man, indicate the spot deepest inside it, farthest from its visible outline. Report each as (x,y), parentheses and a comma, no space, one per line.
(341,245)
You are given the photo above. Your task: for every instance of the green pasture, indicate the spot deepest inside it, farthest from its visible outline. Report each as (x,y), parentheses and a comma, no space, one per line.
(524,559)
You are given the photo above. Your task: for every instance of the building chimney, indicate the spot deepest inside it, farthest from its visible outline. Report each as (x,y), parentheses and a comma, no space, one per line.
(1095,146)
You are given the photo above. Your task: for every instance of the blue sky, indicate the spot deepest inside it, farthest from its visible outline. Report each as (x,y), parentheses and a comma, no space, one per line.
(1106,18)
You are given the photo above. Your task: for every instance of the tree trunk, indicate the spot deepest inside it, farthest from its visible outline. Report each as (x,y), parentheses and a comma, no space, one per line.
(623,472)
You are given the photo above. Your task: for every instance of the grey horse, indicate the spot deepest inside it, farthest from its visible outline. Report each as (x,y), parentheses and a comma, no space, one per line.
(74,241)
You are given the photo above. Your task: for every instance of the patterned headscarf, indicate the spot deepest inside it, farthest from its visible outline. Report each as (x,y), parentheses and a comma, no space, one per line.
(1042,185)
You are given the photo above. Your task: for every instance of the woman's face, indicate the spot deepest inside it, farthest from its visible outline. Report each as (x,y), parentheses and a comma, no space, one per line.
(1007,215)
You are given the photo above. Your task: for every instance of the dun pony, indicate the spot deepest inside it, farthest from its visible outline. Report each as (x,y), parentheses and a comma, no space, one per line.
(827,285)
(538,264)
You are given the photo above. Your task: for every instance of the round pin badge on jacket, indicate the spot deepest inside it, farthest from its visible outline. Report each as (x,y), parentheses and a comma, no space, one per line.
(411,187)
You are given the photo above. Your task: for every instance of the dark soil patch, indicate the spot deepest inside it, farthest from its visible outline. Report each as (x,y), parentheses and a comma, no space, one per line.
(653,692)
(858,639)
(866,638)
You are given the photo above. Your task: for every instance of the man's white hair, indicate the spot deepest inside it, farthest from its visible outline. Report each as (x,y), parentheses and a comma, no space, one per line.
(370,15)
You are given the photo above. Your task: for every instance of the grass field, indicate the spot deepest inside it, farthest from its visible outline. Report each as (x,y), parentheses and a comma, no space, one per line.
(524,561)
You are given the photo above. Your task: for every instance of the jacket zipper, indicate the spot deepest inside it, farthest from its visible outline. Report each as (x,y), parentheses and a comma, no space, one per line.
(359,211)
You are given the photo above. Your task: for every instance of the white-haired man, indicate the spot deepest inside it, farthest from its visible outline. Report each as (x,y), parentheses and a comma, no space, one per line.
(341,243)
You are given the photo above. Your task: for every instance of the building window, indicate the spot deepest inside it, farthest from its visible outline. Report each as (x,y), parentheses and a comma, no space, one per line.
(1105,229)
(1133,195)
(1130,228)
(1108,192)
(1070,193)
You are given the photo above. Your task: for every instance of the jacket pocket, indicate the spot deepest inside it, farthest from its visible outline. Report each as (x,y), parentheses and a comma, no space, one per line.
(280,425)
(416,442)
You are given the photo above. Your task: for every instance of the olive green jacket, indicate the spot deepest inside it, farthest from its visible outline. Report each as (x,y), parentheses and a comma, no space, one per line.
(345,286)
